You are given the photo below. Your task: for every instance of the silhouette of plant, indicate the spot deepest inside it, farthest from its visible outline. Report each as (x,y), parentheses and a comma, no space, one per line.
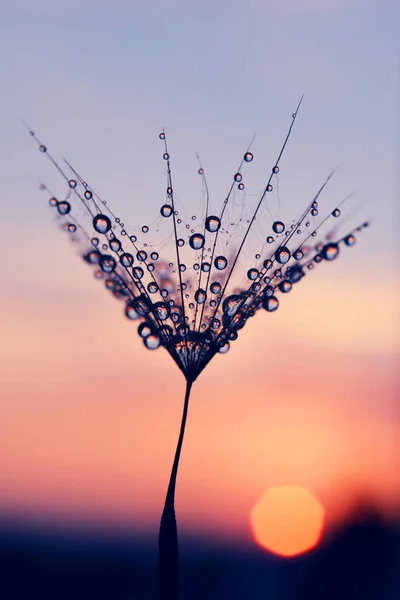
(192,304)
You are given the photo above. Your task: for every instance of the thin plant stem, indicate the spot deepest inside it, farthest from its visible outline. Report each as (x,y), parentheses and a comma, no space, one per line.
(168,549)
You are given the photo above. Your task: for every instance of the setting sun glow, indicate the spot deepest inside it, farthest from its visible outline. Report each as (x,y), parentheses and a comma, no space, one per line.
(287,520)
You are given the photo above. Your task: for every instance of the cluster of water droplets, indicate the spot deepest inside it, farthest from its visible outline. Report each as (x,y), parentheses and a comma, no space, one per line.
(192,303)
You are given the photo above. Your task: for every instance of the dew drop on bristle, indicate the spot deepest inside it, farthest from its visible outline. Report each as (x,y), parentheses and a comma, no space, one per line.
(162,136)
(160,311)
(231,304)
(130,311)
(269,188)
(115,245)
(241,186)
(144,329)
(53,201)
(63,207)
(88,195)
(270,303)
(180,242)
(166,210)
(205,267)
(252,274)
(336,212)
(269,239)
(165,156)
(71,227)
(215,287)
(200,296)
(152,288)
(152,342)
(285,286)
(92,257)
(314,212)
(220,262)
(224,349)
(42,148)
(201,171)
(126,259)
(330,251)
(282,255)
(196,241)
(145,229)
(350,240)
(294,273)
(278,227)
(213,223)
(137,272)
(275,170)
(248,157)
(72,183)
(267,263)
(107,263)
(141,255)
(101,223)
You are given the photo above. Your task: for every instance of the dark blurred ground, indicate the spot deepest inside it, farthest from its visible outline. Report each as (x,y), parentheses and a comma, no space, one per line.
(360,562)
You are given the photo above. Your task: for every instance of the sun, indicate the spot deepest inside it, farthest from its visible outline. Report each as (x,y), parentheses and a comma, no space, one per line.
(287,520)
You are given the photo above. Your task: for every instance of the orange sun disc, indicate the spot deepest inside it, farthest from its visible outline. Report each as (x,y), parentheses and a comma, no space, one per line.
(287,520)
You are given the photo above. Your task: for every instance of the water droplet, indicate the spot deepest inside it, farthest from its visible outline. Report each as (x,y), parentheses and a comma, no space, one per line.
(101,223)
(330,251)
(294,273)
(220,262)
(201,171)
(196,241)
(275,170)
(285,286)
(298,254)
(248,157)
(252,274)
(145,329)
(88,195)
(215,287)
(53,201)
(141,255)
(200,296)
(213,223)
(269,188)
(241,186)
(166,210)
(180,242)
(238,177)
(115,245)
(152,342)
(182,268)
(126,259)
(130,311)
(145,229)
(224,349)
(42,148)
(336,212)
(267,263)
(215,323)
(92,257)
(278,227)
(71,227)
(72,183)
(350,240)
(314,212)
(317,258)
(162,136)
(160,311)
(314,234)
(269,239)
(270,304)
(152,287)
(137,272)
(231,304)
(205,267)
(107,263)
(282,255)
(133,238)
(63,207)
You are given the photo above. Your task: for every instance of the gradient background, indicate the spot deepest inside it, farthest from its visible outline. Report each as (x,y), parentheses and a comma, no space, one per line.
(88,418)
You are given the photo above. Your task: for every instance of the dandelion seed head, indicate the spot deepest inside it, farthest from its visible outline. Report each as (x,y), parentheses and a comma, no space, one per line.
(192,281)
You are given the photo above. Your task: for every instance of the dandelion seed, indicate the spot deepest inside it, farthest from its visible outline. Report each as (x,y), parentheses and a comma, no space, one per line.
(194,303)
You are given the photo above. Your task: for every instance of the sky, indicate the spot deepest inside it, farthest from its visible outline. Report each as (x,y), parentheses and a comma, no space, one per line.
(88,417)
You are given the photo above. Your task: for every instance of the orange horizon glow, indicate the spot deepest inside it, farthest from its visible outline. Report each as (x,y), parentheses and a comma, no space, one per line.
(287,520)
